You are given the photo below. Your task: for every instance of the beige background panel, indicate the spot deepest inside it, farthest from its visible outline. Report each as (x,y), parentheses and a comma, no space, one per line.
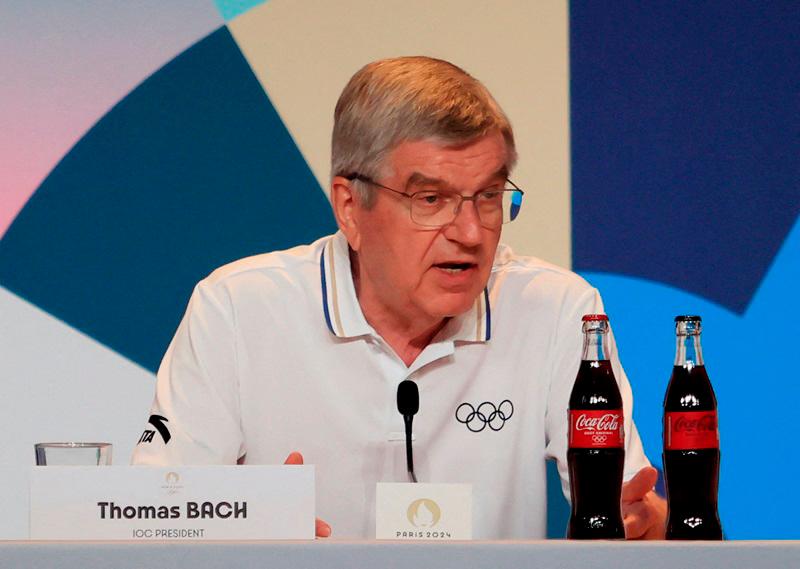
(303,53)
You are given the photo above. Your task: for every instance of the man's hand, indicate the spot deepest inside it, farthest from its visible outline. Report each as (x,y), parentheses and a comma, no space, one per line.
(322,528)
(643,511)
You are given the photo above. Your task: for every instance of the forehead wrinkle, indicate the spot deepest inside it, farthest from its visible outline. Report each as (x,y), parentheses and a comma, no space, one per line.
(417,179)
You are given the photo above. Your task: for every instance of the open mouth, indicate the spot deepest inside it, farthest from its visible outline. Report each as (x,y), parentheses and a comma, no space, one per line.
(454,267)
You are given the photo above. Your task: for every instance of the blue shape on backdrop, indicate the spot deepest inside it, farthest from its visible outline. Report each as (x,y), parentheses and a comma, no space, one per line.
(192,170)
(751,360)
(685,138)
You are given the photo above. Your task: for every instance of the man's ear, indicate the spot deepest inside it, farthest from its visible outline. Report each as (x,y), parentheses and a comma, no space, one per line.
(347,210)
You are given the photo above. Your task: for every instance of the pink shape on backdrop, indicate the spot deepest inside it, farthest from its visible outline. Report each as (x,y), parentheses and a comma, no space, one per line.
(65,64)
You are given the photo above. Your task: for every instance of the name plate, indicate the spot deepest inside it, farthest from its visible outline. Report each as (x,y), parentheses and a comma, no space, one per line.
(423,511)
(168,503)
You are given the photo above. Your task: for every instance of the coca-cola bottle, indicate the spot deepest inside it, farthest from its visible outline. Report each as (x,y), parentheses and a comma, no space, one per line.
(691,440)
(596,453)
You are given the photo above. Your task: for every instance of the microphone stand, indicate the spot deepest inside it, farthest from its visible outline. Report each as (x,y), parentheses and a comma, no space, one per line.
(409,452)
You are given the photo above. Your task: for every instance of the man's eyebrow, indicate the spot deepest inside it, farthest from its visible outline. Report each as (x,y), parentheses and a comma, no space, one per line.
(419,179)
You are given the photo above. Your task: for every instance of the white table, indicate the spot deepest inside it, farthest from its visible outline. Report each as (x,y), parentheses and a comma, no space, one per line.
(334,554)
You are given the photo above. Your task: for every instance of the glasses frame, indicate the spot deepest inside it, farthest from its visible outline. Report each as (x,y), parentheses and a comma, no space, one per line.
(463,198)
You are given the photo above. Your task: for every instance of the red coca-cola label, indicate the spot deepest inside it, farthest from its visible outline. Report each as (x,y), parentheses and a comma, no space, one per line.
(686,430)
(596,429)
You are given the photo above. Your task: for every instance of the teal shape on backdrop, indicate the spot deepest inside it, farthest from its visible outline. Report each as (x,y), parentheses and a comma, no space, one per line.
(190,171)
(233,8)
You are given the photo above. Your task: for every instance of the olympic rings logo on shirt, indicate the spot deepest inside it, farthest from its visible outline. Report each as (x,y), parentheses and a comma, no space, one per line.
(487,414)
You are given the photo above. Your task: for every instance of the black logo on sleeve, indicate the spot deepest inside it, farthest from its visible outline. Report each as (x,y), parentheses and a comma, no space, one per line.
(487,414)
(159,423)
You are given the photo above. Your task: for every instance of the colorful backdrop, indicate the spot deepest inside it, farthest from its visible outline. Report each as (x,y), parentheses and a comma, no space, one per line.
(143,144)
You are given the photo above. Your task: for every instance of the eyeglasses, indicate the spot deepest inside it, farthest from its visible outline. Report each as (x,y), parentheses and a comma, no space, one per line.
(437,208)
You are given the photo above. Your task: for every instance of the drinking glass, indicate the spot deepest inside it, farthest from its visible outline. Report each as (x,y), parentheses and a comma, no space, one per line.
(73,454)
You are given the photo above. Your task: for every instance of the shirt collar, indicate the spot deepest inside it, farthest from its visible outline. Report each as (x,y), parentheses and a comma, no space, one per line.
(343,313)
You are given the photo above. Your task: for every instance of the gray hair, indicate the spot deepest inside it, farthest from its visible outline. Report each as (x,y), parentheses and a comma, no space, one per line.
(391,101)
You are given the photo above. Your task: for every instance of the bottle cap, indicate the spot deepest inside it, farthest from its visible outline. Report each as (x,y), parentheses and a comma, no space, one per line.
(594,317)
(688,318)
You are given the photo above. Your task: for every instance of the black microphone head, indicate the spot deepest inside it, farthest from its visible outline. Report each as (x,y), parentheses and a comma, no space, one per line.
(407,397)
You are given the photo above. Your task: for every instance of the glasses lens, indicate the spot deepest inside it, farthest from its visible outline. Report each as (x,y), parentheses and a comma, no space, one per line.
(433,209)
(494,207)
(490,204)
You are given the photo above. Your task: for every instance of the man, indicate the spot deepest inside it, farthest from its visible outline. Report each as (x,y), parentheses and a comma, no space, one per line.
(303,350)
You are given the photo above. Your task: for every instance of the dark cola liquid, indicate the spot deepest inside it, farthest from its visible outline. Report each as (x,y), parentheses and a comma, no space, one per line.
(691,475)
(595,475)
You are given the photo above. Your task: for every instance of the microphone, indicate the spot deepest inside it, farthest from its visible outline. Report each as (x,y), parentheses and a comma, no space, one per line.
(408,405)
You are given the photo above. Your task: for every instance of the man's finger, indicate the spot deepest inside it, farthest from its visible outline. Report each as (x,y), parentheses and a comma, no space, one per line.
(644,481)
(323,529)
(636,518)
(294,458)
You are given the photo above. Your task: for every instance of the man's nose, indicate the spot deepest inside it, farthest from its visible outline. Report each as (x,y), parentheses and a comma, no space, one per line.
(466,227)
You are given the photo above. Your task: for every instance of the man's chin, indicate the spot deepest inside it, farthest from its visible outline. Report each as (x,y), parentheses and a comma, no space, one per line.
(456,304)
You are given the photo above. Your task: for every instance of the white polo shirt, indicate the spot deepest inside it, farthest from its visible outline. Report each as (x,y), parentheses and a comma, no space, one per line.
(274,355)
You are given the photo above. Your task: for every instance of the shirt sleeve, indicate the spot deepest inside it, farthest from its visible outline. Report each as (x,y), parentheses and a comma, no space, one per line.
(568,351)
(194,418)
